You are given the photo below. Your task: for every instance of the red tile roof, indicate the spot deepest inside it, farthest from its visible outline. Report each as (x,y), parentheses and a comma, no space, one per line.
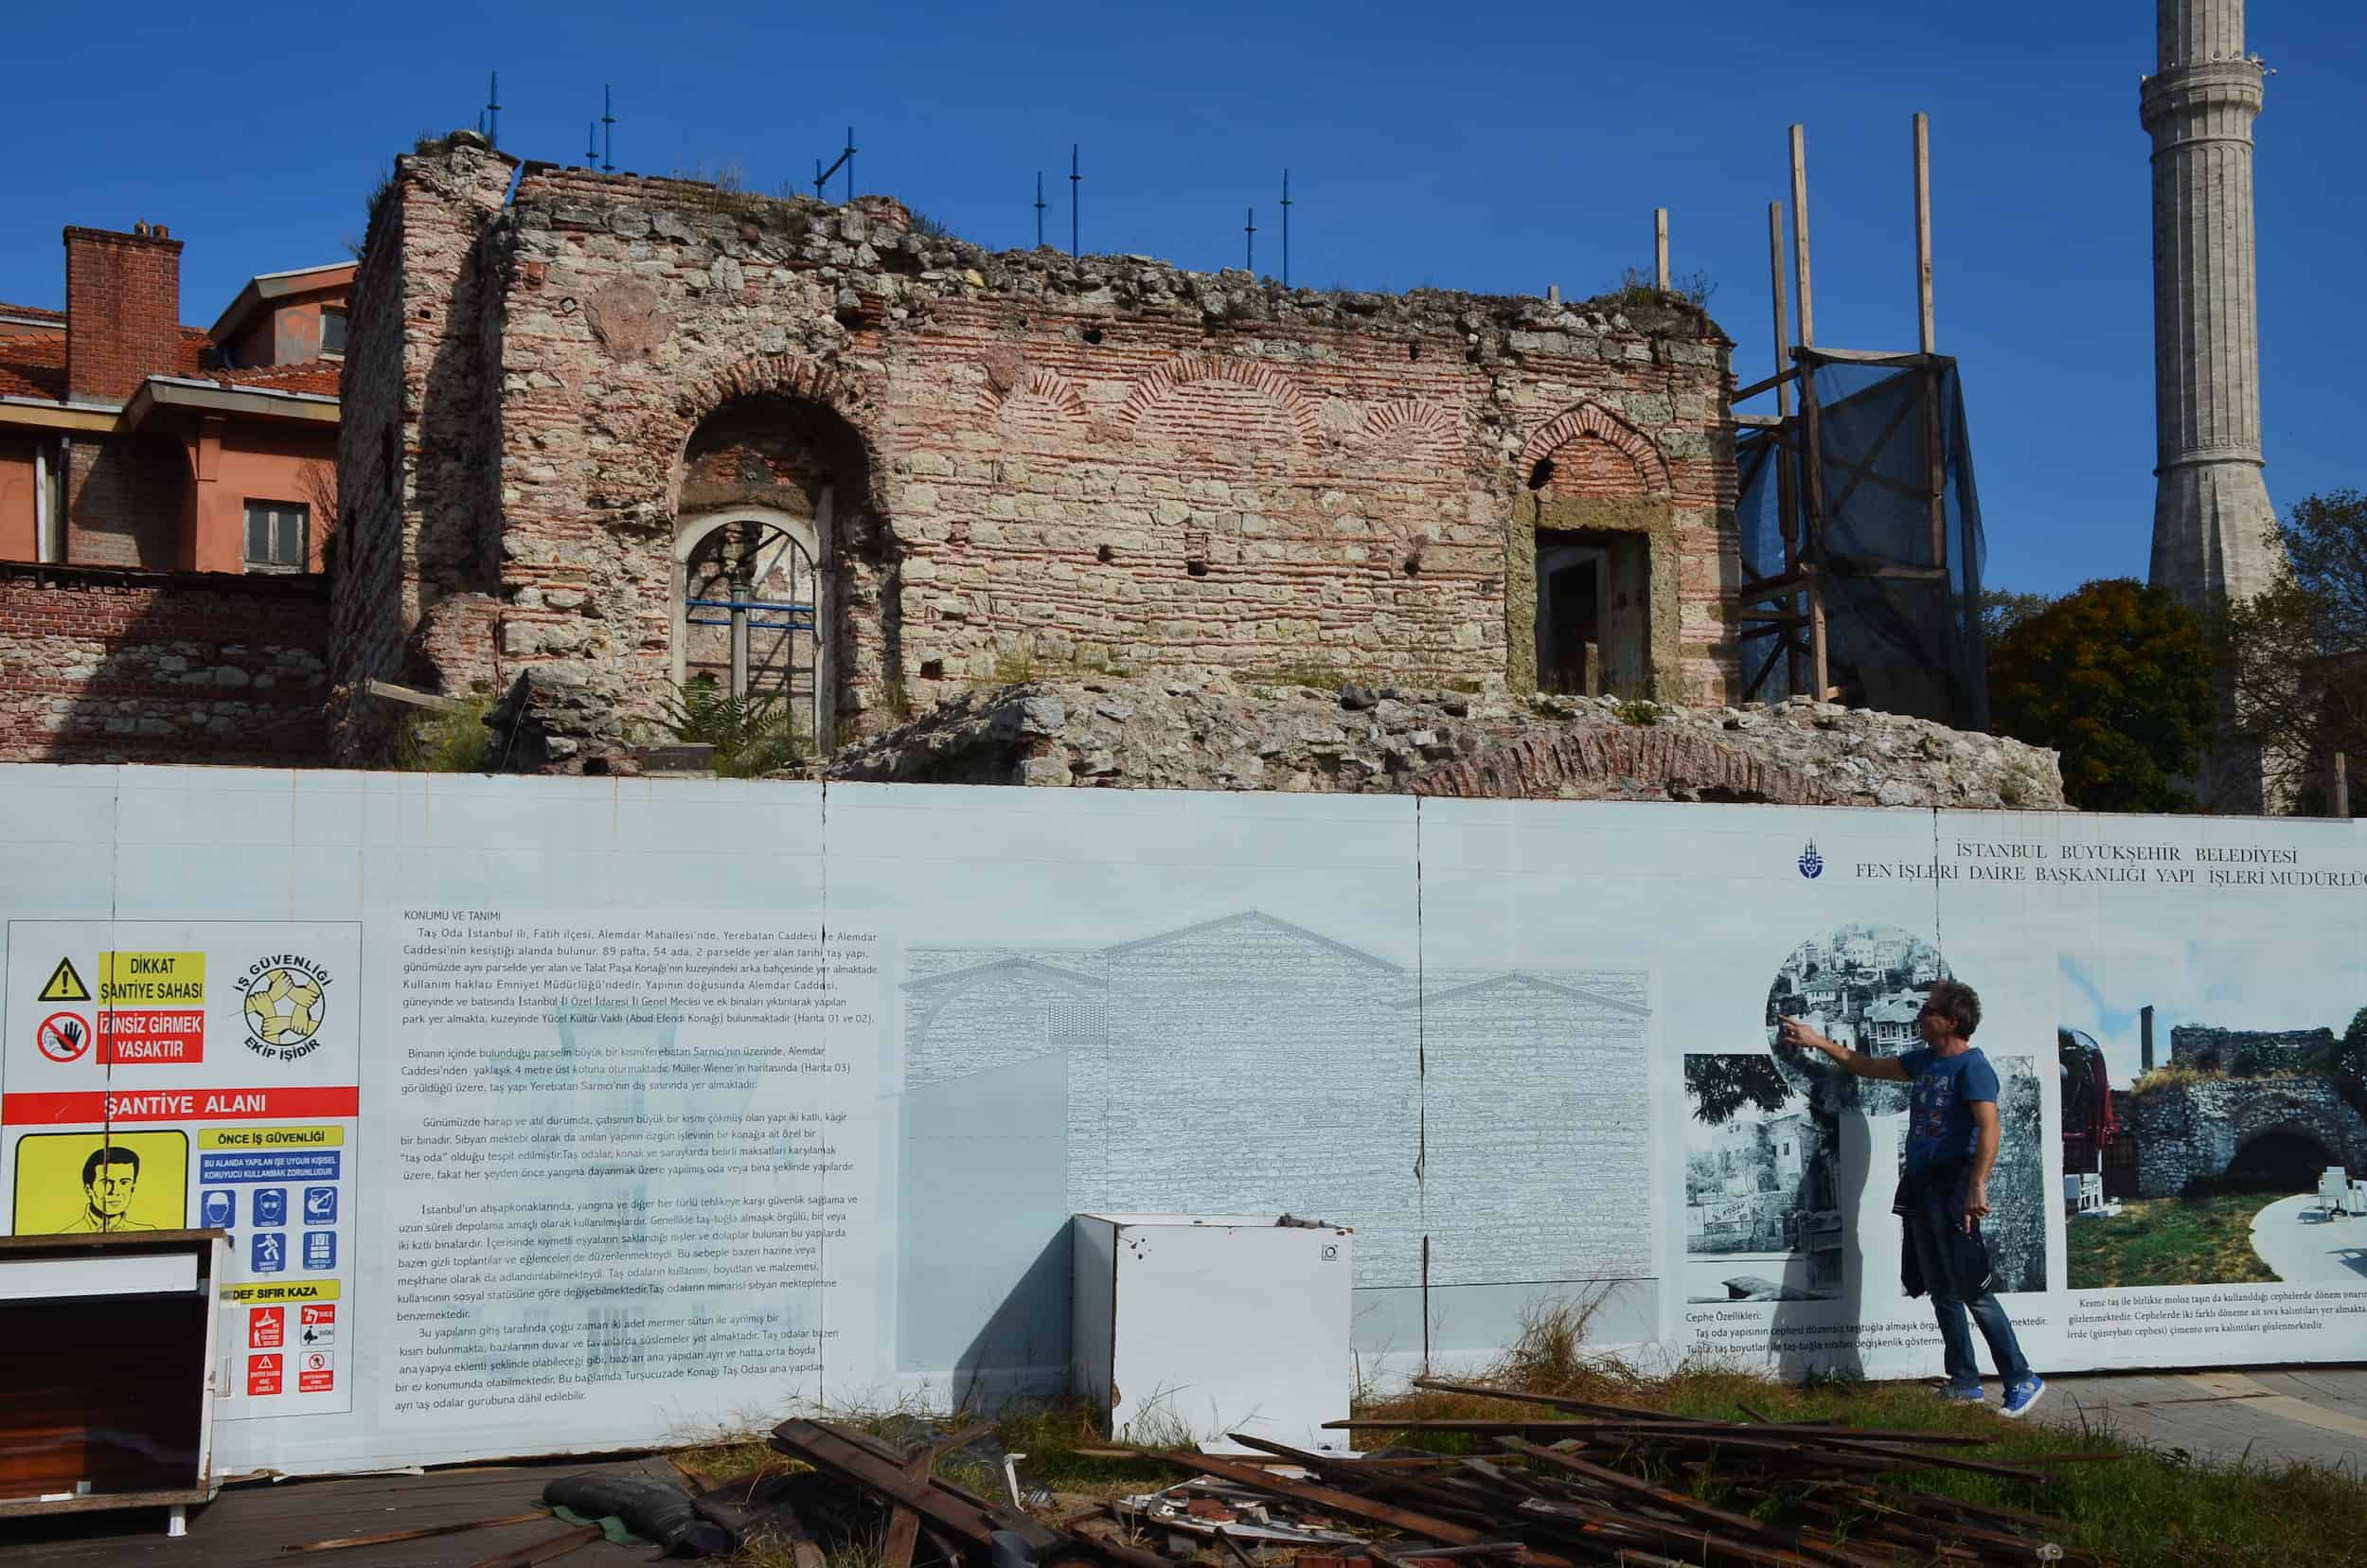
(311,376)
(33,313)
(33,366)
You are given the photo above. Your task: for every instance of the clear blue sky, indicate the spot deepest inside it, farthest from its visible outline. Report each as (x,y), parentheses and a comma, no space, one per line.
(1482,146)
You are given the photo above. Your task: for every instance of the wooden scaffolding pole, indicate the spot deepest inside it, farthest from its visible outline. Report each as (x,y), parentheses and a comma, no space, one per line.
(1660,249)
(1811,442)
(1786,503)
(1935,446)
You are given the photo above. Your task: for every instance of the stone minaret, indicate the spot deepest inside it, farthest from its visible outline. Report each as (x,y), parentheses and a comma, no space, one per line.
(2211,511)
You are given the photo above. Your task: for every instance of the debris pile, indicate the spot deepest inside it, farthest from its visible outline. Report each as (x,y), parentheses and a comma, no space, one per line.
(1579,1482)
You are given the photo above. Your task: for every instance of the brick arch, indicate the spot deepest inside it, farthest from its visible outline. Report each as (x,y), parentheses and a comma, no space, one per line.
(1425,429)
(785,376)
(1591,420)
(1046,387)
(1291,405)
(1621,762)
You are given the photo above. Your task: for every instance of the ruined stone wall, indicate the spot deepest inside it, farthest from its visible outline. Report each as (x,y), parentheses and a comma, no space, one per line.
(2247,1052)
(2192,1130)
(417,449)
(100,666)
(1107,462)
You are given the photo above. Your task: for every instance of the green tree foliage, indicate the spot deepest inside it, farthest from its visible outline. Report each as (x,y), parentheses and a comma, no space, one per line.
(2003,608)
(1721,1085)
(2346,1062)
(2299,651)
(2117,678)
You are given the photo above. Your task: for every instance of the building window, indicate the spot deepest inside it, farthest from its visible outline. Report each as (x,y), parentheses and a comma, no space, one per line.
(332,331)
(276,536)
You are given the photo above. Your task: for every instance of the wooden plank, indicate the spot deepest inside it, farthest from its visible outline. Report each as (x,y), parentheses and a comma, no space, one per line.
(1923,230)
(388,1537)
(413,696)
(1775,382)
(1660,249)
(1800,234)
(1676,1502)
(1349,1506)
(544,1550)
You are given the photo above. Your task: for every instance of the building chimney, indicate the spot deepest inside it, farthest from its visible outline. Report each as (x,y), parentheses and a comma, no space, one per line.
(123,310)
(2144,1038)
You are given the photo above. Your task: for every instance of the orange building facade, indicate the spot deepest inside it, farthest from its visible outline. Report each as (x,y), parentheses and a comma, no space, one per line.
(131,441)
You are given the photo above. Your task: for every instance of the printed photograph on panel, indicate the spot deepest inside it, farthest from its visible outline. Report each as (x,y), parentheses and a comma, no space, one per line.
(1763,1219)
(1863,986)
(2214,1153)
(73,1183)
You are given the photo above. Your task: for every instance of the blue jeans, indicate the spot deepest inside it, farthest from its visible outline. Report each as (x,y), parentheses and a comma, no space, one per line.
(1935,1221)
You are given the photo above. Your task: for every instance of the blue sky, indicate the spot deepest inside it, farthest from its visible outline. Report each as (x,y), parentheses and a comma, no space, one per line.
(1490,147)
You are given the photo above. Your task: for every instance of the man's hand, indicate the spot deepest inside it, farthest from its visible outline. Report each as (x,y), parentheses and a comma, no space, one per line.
(1796,1034)
(1976,1204)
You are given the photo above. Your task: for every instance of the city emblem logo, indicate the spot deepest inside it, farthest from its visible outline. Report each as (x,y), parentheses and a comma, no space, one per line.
(1811,863)
(285,998)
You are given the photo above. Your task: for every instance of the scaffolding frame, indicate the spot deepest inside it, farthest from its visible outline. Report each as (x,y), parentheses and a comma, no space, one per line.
(1789,606)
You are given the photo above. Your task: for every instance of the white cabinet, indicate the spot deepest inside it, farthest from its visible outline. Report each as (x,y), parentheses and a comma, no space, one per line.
(1189,1328)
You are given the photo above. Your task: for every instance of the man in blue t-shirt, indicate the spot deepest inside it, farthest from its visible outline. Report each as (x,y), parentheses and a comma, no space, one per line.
(1952,1135)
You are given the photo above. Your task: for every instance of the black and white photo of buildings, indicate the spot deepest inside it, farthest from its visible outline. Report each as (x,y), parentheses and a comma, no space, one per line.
(1763,1219)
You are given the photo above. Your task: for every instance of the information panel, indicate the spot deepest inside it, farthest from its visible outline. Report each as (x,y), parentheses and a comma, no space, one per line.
(571,1113)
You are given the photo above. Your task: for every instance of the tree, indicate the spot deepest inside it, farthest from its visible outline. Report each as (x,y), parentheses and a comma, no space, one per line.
(2116,677)
(1721,1085)
(2003,608)
(2298,651)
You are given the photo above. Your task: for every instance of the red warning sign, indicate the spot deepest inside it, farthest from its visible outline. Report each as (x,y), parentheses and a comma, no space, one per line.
(263,1374)
(318,1325)
(314,1373)
(171,1034)
(266,1327)
(63,1036)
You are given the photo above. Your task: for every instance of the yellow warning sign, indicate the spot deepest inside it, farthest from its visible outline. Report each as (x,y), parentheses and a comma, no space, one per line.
(271,1137)
(152,977)
(301,1290)
(64,985)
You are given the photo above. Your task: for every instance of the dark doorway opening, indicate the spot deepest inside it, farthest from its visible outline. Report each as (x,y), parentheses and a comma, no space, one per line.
(1593,624)
(2278,1161)
(1569,615)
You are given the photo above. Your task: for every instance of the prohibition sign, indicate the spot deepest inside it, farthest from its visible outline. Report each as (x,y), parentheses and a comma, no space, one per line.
(63,1036)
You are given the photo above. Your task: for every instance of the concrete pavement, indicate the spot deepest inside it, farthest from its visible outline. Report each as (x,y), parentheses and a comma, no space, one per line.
(2318,1414)
(2303,1244)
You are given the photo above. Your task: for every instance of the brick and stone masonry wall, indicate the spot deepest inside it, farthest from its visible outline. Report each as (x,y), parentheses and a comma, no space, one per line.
(149,666)
(1019,455)
(416,444)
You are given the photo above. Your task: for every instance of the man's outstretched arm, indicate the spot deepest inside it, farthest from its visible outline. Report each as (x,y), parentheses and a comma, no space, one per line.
(1793,1032)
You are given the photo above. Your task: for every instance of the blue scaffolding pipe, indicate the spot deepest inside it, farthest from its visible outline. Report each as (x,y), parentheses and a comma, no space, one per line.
(799,617)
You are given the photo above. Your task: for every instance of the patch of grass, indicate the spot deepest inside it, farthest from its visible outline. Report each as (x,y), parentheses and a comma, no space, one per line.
(2139,1507)
(2169,1241)
(1067,1450)
(1638,711)
(455,742)
(1014,668)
